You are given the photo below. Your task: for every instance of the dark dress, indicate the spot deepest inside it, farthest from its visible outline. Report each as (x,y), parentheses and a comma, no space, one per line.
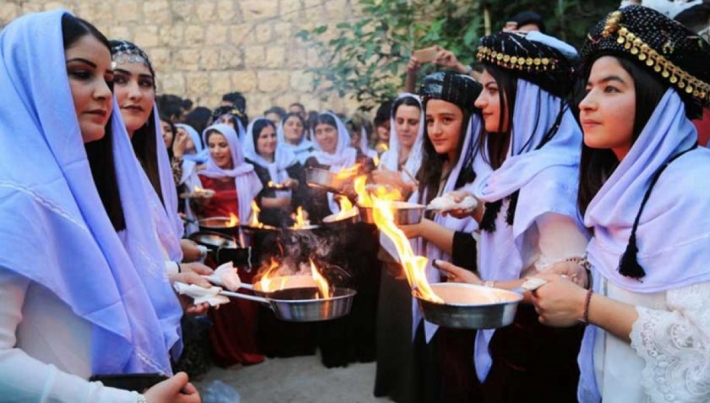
(351,338)
(233,335)
(277,338)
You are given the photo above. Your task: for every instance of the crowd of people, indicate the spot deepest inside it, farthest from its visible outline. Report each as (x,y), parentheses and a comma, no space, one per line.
(586,164)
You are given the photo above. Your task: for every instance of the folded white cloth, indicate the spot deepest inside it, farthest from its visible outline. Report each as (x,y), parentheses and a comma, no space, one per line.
(201,294)
(447,203)
(225,276)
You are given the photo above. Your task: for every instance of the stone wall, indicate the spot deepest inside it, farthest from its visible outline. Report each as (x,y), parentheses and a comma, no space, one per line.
(202,49)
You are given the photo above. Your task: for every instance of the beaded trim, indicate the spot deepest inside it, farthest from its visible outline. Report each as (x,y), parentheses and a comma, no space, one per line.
(637,47)
(529,64)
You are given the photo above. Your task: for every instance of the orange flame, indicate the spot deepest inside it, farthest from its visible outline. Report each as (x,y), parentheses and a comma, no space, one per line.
(233,220)
(255,210)
(347,173)
(414,266)
(266,278)
(300,219)
(345,204)
(376,161)
(323,288)
(366,193)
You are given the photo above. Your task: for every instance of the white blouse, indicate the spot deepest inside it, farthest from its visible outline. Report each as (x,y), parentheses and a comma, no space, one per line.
(669,356)
(45,348)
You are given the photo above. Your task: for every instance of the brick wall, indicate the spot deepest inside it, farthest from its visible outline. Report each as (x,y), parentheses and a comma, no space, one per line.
(202,49)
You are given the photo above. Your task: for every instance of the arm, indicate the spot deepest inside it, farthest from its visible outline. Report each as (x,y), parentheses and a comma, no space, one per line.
(410,83)
(29,380)
(440,236)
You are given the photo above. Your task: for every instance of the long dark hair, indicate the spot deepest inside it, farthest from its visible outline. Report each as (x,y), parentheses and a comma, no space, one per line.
(597,164)
(497,143)
(429,175)
(408,100)
(99,153)
(259,125)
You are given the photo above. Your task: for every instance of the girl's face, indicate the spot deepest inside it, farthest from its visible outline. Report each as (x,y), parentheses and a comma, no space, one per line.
(406,124)
(443,122)
(219,151)
(293,130)
(355,139)
(89,71)
(266,142)
(327,137)
(607,111)
(135,93)
(227,120)
(489,104)
(167,133)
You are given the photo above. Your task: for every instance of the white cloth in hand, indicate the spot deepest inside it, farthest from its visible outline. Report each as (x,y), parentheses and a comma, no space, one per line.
(225,276)
(201,294)
(447,203)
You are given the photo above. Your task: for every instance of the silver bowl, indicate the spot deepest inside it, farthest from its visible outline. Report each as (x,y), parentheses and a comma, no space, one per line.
(468,306)
(324,179)
(404,213)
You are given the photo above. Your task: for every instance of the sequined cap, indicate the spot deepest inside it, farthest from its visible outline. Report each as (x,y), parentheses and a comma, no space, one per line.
(658,44)
(459,89)
(127,52)
(531,60)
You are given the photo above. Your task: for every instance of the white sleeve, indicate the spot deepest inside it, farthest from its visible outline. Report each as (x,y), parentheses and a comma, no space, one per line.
(25,379)
(560,238)
(674,344)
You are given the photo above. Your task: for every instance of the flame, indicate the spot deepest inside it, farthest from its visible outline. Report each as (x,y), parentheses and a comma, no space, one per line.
(271,271)
(300,219)
(376,161)
(414,266)
(233,220)
(270,184)
(323,288)
(347,173)
(365,193)
(255,210)
(345,204)
(197,189)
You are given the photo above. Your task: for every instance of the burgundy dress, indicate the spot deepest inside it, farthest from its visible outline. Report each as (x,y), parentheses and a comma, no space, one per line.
(233,335)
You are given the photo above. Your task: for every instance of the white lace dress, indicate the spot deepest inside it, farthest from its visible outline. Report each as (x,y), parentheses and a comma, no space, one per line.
(669,356)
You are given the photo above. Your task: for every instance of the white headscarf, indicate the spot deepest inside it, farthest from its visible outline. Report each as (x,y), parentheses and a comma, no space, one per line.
(247,182)
(303,149)
(343,157)
(201,152)
(283,158)
(390,158)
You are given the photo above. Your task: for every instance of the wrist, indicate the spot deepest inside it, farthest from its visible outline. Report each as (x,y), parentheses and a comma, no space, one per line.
(584,306)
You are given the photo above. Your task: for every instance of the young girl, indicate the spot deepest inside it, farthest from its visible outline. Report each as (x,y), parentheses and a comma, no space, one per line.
(641,192)
(82,281)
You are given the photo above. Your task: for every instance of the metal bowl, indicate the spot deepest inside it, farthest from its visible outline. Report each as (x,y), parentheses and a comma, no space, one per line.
(468,306)
(351,216)
(218,224)
(324,179)
(223,248)
(285,282)
(404,213)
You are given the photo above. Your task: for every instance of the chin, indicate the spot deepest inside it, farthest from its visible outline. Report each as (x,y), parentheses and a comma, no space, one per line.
(94,133)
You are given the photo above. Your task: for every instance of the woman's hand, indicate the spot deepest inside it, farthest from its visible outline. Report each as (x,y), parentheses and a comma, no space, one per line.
(290,183)
(414,230)
(191,277)
(560,302)
(573,270)
(458,196)
(176,389)
(457,274)
(190,251)
(180,143)
(413,65)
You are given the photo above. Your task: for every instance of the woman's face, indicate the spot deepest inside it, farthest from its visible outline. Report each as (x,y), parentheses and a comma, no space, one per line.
(227,120)
(189,144)
(293,130)
(89,71)
(607,111)
(135,93)
(406,124)
(167,133)
(383,132)
(489,104)
(355,138)
(443,122)
(266,142)
(327,137)
(219,151)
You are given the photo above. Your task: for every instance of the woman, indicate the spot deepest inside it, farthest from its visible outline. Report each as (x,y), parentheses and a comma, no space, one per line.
(135,94)
(640,193)
(352,338)
(236,185)
(333,153)
(358,126)
(291,134)
(530,220)
(401,162)
(282,177)
(442,356)
(195,151)
(104,299)
(233,116)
